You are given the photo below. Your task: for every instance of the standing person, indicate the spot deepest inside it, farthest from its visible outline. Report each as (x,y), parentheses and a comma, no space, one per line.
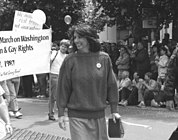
(154,56)
(132,52)
(86,83)
(123,61)
(4,116)
(142,60)
(171,86)
(171,82)
(13,86)
(114,55)
(57,58)
(162,64)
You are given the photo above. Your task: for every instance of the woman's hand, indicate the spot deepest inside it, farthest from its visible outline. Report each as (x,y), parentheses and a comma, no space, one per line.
(62,122)
(9,128)
(115,116)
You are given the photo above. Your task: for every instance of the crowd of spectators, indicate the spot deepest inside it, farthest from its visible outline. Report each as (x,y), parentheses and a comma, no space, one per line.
(141,71)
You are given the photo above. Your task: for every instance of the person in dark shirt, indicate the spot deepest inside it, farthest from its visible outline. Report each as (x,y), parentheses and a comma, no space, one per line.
(86,84)
(171,82)
(142,60)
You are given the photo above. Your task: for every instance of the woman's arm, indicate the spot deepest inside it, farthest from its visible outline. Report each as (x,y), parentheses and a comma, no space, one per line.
(4,115)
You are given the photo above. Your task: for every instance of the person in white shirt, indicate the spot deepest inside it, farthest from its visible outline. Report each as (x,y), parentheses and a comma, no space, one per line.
(162,64)
(57,58)
(124,87)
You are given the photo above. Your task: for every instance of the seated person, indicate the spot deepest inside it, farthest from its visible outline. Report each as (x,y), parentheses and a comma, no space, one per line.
(5,126)
(133,91)
(150,91)
(124,87)
(137,82)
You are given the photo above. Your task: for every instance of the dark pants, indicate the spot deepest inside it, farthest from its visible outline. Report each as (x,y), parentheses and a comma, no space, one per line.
(133,97)
(160,97)
(124,94)
(130,95)
(42,83)
(148,96)
(27,82)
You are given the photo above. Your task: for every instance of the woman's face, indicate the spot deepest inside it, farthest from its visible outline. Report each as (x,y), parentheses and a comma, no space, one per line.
(81,43)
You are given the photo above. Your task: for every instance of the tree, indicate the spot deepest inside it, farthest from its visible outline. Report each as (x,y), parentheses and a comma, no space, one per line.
(128,13)
(55,11)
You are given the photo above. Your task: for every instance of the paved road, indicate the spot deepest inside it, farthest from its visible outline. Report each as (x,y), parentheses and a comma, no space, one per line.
(139,124)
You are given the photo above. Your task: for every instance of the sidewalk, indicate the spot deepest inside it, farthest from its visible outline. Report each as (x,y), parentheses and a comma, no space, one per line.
(34,125)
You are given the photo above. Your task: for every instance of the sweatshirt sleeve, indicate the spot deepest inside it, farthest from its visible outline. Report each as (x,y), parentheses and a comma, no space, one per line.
(112,96)
(63,88)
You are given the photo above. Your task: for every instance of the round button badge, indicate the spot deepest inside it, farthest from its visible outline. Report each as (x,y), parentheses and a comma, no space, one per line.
(98,65)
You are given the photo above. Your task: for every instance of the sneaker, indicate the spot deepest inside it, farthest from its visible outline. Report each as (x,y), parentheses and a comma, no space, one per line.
(141,104)
(42,96)
(11,114)
(154,103)
(52,118)
(125,103)
(18,114)
(121,102)
(38,96)
(162,104)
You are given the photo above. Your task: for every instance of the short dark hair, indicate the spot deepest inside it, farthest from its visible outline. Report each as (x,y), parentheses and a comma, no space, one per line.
(85,30)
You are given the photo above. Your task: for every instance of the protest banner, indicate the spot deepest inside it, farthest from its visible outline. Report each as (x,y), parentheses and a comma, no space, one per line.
(24,21)
(24,53)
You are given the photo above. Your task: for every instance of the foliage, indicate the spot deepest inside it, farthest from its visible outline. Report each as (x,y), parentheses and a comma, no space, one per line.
(93,16)
(128,13)
(55,11)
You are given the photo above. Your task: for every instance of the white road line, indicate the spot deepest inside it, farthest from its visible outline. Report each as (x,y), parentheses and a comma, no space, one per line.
(135,124)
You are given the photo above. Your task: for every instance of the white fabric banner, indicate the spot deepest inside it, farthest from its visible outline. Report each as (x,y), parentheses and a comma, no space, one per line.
(24,53)
(24,21)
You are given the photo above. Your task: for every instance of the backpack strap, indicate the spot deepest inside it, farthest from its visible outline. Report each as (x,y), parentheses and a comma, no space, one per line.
(54,58)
